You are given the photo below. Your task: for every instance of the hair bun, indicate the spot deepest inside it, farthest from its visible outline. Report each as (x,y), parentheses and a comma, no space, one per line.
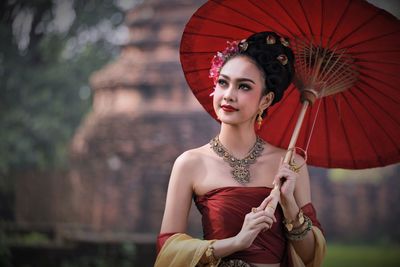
(271,52)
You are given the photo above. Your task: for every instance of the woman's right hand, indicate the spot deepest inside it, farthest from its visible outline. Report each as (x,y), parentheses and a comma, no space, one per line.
(257,220)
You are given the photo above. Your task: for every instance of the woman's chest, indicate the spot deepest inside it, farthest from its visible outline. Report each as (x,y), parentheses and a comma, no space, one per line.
(220,173)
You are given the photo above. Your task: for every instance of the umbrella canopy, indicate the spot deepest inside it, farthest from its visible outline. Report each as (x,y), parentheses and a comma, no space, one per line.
(356,128)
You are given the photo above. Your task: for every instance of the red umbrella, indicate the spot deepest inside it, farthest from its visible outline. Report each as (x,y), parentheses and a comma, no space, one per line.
(350,46)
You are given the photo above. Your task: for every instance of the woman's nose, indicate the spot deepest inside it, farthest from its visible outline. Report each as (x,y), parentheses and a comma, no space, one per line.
(230,94)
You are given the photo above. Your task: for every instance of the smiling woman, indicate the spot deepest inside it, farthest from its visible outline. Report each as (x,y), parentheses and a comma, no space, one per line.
(231,178)
(238,95)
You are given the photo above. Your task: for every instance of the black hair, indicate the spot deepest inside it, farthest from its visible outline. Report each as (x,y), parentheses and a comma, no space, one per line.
(277,76)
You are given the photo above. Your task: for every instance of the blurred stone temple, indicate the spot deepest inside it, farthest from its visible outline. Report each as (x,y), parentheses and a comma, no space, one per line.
(143,117)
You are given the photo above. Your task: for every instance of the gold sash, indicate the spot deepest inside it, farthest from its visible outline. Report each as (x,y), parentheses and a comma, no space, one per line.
(319,252)
(181,250)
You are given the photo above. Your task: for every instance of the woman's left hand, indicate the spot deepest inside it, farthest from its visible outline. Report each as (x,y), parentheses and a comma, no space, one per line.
(287,177)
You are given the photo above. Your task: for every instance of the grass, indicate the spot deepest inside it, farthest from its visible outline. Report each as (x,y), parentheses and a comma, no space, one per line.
(339,255)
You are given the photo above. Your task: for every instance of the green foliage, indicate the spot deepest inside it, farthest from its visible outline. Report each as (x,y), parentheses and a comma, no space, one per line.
(5,255)
(362,255)
(30,238)
(122,255)
(371,175)
(43,87)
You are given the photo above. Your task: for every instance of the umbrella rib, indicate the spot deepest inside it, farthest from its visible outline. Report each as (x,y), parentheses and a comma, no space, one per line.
(305,15)
(374,38)
(240,13)
(377,123)
(275,19)
(197,52)
(207,35)
(293,20)
(362,128)
(363,24)
(388,114)
(196,70)
(377,90)
(340,20)
(204,88)
(383,94)
(368,52)
(224,23)
(362,70)
(321,22)
(379,61)
(344,130)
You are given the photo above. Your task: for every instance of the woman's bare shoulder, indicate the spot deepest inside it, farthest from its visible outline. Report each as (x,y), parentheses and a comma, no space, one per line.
(192,159)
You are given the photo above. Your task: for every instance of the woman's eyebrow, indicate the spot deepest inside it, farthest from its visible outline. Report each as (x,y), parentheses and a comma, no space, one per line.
(240,79)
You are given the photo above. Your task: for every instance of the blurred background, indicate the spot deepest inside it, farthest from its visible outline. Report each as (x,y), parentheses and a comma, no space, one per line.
(94,109)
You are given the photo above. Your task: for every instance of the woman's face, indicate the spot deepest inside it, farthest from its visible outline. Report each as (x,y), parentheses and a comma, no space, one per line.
(238,92)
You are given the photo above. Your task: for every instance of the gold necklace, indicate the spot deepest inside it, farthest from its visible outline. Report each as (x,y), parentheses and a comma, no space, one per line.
(240,167)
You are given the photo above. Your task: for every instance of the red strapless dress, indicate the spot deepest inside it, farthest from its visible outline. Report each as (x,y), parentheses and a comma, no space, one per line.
(223,211)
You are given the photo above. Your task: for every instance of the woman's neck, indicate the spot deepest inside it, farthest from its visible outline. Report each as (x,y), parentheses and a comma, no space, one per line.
(237,140)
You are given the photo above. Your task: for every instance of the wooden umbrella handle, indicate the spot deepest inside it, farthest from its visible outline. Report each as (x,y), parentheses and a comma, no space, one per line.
(275,193)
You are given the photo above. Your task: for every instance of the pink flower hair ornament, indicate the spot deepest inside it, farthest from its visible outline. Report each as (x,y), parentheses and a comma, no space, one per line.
(220,58)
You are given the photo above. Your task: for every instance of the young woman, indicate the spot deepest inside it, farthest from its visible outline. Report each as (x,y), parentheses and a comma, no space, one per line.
(231,177)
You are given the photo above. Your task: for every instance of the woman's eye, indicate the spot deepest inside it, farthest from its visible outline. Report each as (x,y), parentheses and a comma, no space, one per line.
(244,87)
(221,82)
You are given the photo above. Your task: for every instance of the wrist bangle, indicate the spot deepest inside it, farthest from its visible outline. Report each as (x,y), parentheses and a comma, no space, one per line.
(301,232)
(290,224)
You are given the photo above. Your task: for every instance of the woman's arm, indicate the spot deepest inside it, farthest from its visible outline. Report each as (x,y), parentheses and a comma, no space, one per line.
(179,195)
(295,193)
(254,222)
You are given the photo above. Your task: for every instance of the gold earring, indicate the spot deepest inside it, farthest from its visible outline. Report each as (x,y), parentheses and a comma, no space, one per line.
(259,119)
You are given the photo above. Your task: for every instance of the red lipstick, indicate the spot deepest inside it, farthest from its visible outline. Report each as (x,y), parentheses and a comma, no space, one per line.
(229,108)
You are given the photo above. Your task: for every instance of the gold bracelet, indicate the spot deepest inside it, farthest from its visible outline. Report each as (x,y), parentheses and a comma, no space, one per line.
(300,234)
(290,224)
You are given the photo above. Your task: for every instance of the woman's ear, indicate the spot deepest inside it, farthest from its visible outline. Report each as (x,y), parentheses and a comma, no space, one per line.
(266,100)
